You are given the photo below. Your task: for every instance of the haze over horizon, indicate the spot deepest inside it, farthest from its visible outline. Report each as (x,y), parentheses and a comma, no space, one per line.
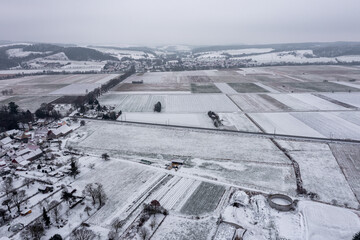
(157,22)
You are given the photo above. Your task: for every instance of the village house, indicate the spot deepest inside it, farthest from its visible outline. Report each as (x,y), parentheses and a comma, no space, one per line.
(59,132)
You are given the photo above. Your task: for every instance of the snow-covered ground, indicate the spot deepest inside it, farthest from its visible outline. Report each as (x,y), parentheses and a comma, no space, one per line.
(348,98)
(183,119)
(323,222)
(283,123)
(232,52)
(76,89)
(321,173)
(170,103)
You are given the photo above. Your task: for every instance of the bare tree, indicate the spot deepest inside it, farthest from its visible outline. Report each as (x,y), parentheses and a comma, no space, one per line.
(55,207)
(18,198)
(100,194)
(7,185)
(87,210)
(83,234)
(153,223)
(74,167)
(105,156)
(7,203)
(36,230)
(3,214)
(90,191)
(117,223)
(112,235)
(27,182)
(144,233)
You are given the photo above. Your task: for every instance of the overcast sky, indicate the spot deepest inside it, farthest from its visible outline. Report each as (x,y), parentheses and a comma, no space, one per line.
(194,22)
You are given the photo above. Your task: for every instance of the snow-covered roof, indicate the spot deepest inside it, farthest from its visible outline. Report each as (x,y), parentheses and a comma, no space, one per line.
(23,151)
(11,132)
(61,130)
(6,140)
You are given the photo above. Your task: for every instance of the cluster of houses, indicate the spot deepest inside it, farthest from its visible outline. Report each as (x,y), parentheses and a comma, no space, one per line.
(19,147)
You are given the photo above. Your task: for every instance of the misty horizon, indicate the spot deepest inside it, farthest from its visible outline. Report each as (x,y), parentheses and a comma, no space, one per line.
(163,22)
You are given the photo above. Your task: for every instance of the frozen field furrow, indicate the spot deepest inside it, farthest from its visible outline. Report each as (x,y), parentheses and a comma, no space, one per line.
(292,102)
(352,98)
(284,123)
(329,125)
(316,102)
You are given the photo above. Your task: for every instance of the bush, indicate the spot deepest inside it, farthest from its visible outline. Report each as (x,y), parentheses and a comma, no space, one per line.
(356,236)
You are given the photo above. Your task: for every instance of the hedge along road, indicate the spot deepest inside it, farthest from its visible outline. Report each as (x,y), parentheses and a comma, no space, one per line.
(268,135)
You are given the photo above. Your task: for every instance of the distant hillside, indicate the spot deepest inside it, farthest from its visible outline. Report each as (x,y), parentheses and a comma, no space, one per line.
(86,54)
(44,50)
(320,49)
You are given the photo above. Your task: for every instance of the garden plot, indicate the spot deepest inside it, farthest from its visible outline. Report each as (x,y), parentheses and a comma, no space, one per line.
(123,138)
(123,182)
(247,88)
(320,172)
(182,119)
(348,158)
(348,98)
(260,220)
(133,103)
(255,174)
(76,89)
(179,228)
(239,121)
(292,102)
(324,222)
(316,102)
(225,232)
(329,125)
(31,103)
(205,199)
(199,103)
(175,192)
(204,88)
(284,123)
(225,88)
(258,103)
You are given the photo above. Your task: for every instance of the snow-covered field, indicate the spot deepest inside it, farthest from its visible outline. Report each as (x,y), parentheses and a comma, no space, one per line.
(321,173)
(118,53)
(76,89)
(177,227)
(323,222)
(329,125)
(239,121)
(129,180)
(283,123)
(131,139)
(297,56)
(233,52)
(349,98)
(19,53)
(258,103)
(171,103)
(183,119)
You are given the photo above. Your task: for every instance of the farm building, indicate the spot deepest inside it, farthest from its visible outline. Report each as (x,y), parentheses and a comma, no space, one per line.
(177,163)
(59,132)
